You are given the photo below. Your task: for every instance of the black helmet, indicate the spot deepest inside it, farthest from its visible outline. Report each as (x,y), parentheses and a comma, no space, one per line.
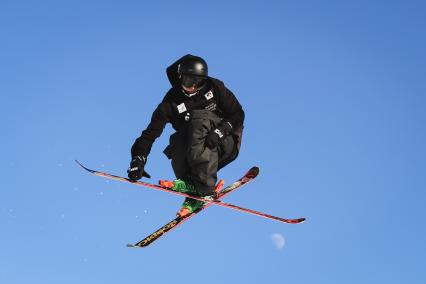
(192,71)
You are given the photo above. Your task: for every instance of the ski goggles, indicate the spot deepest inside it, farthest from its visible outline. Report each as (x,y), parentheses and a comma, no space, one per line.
(191,80)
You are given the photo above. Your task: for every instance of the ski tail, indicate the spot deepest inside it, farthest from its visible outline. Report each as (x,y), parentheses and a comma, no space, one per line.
(160,232)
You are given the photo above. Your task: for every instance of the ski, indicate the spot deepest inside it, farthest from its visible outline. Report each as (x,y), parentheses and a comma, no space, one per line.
(249,176)
(212,201)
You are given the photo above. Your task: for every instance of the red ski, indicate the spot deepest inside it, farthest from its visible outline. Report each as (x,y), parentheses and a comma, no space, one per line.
(213,201)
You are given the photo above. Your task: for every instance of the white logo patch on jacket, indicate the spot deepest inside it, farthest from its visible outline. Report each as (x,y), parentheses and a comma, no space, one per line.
(208,95)
(181,108)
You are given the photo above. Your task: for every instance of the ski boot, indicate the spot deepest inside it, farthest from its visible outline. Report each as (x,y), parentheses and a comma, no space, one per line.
(190,205)
(179,186)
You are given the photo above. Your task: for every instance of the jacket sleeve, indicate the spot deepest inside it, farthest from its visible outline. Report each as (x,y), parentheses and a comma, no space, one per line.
(143,144)
(232,110)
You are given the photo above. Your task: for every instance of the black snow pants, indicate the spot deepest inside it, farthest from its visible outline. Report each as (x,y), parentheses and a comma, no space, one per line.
(191,159)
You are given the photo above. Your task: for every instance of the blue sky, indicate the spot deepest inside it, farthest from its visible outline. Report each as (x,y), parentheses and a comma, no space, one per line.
(334,95)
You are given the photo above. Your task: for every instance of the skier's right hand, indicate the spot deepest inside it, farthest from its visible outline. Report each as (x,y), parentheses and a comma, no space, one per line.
(137,168)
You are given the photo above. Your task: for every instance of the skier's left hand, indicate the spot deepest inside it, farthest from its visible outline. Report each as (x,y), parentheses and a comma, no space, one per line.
(218,134)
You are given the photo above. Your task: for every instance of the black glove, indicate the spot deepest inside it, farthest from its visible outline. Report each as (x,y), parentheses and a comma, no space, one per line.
(217,134)
(136,170)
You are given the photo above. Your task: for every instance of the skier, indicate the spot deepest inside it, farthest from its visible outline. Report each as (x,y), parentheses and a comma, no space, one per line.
(208,120)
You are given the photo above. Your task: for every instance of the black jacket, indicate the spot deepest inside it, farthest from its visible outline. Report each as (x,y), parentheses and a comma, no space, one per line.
(175,108)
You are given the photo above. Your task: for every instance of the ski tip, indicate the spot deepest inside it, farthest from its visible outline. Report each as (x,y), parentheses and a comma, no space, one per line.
(81,165)
(253,172)
(255,169)
(298,221)
(131,246)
